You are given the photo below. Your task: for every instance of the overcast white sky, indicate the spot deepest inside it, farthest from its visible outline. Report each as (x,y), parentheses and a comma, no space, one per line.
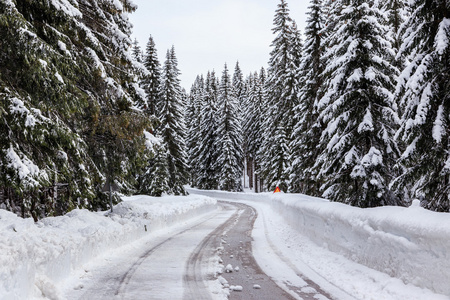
(209,33)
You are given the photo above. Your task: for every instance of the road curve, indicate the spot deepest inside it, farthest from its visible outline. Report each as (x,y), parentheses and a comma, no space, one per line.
(178,264)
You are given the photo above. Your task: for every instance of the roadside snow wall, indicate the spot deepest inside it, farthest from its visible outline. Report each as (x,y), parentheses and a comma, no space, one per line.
(36,257)
(411,244)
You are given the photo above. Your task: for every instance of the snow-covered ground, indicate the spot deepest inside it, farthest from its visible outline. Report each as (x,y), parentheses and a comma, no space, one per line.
(36,258)
(353,253)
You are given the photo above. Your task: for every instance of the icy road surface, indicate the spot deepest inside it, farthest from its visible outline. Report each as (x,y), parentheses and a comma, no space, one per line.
(206,258)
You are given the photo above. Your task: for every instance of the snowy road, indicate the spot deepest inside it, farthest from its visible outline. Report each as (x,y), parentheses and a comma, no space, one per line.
(185,262)
(154,267)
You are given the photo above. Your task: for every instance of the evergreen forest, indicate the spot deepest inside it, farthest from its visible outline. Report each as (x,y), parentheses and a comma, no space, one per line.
(354,108)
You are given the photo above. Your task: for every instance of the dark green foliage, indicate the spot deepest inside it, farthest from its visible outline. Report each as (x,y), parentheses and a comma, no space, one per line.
(424,97)
(155,180)
(172,129)
(229,137)
(307,131)
(205,149)
(67,94)
(281,93)
(151,81)
(357,146)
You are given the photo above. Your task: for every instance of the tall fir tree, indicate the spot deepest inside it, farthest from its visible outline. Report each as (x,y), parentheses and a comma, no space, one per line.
(282,96)
(253,123)
(239,91)
(426,104)
(193,121)
(307,130)
(137,52)
(358,110)
(229,133)
(155,179)
(67,98)
(206,150)
(151,82)
(172,128)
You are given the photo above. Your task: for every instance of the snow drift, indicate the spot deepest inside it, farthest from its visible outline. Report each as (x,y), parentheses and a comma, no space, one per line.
(36,257)
(410,244)
(407,243)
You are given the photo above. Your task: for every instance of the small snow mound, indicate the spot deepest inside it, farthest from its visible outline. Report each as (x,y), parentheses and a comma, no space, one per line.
(229,268)
(236,288)
(415,203)
(222,280)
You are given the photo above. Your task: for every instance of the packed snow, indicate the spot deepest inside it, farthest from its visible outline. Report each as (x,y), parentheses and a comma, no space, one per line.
(352,253)
(36,258)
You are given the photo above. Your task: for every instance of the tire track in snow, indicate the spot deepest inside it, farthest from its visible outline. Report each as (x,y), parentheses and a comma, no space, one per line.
(193,278)
(125,279)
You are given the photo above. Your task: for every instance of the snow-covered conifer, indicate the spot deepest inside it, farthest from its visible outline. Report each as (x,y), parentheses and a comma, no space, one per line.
(193,121)
(172,129)
(155,180)
(358,110)
(206,150)
(67,90)
(281,97)
(152,81)
(307,130)
(425,101)
(137,52)
(229,137)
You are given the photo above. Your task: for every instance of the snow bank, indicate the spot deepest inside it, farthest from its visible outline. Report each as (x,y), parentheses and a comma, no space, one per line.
(410,244)
(406,243)
(36,257)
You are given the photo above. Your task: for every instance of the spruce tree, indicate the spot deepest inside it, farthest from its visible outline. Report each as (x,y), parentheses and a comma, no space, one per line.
(254,124)
(358,110)
(281,97)
(229,134)
(137,52)
(172,128)
(193,117)
(155,180)
(206,150)
(307,130)
(426,104)
(239,91)
(151,82)
(68,93)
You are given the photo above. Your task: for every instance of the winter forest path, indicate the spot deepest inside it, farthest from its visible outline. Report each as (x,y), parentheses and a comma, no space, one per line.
(181,263)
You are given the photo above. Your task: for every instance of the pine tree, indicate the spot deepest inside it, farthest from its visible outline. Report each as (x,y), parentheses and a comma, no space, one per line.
(396,10)
(67,88)
(229,133)
(238,86)
(155,180)
(206,150)
(253,123)
(193,117)
(307,130)
(172,128)
(152,81)
(239,91)
(358,111)
(282,96)
(137,52)
(426,104)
